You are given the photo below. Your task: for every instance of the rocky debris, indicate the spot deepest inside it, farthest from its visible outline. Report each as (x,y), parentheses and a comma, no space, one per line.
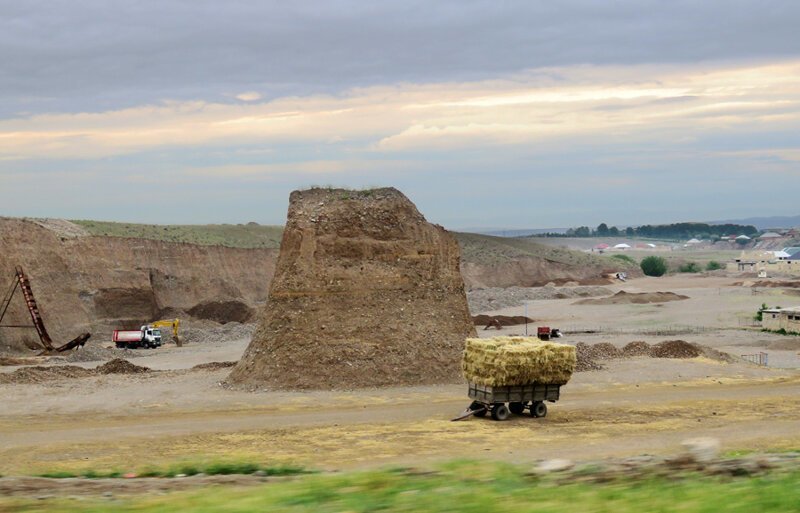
(120,366)
(702,450)
(42,374)
(501,320)
(677,466)
(62,227)
(495,298)
(675,349)
(628,298)
(554,465)
(636,348)
(585,358)
(225,333)
(366,292)
(214,365)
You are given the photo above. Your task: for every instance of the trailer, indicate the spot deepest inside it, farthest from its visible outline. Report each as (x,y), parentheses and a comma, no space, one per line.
(501,401)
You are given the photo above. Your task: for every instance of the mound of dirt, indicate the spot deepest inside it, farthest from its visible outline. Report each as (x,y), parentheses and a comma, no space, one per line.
(502,320)
(40,374)
(214,365)
(120,366)
(627,298)
(495,298)
(675,349)
(585,358)
(769,284)
(223,312)
(366,292)
(636,348)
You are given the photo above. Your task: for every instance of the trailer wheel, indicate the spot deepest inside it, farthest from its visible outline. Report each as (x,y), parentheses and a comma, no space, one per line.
(500,412)
(539,409)
(479,408)
(517,408)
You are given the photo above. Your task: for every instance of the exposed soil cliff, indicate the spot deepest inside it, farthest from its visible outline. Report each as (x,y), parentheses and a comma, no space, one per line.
(366,292)
(84,283)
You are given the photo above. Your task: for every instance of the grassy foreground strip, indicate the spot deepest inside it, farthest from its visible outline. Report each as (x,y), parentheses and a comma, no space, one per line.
(462,487)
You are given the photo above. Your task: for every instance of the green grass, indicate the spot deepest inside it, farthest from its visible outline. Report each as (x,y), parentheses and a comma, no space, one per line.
(463,487)
(249,235)
(213,468)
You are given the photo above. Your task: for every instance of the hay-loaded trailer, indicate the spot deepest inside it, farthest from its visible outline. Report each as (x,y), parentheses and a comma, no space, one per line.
(501,401)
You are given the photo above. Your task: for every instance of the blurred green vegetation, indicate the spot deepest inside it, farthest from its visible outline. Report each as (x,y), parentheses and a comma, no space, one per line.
(478,487)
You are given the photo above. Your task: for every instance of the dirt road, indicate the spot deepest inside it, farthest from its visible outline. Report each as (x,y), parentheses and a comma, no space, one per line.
(332,430)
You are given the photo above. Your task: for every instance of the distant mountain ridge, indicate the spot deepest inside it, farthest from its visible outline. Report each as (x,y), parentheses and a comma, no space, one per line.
(763,223)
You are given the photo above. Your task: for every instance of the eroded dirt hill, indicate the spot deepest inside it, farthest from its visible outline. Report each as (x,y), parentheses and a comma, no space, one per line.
(86,283)
(366,292)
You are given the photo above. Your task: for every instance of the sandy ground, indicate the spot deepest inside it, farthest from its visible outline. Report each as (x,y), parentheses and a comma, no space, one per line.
(634,406)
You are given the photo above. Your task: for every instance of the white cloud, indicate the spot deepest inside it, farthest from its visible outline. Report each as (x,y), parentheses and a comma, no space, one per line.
(249,96)
(647,103)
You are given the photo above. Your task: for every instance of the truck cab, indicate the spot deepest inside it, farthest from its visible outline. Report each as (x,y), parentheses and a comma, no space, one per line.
(151,337)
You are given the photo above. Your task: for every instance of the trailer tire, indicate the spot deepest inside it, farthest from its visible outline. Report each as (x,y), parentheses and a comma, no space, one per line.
(517,408)
(539,409)
(500,412)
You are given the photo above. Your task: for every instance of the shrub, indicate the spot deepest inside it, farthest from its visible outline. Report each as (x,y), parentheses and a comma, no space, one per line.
(625,258)
(689,267)
(713,266)
(653,266)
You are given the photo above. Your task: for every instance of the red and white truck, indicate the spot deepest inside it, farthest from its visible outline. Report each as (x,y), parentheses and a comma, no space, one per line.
(146,337)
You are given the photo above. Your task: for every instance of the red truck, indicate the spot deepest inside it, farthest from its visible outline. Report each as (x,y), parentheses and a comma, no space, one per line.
(146,337)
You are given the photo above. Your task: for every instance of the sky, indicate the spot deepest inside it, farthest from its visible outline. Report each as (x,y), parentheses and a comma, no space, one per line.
(494,114)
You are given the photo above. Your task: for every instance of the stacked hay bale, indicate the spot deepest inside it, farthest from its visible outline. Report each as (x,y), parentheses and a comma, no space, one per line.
(503,361)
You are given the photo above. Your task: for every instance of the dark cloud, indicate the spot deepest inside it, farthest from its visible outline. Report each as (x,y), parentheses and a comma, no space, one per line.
(96,55)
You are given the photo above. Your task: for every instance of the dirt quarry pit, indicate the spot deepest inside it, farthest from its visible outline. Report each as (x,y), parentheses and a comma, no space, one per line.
(627,298)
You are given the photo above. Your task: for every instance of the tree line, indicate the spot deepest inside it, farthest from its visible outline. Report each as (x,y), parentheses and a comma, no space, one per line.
(678,231)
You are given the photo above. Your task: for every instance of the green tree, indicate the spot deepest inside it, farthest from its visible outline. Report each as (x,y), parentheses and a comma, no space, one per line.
(653,266)
(602,230)
(713,266)
(629,231)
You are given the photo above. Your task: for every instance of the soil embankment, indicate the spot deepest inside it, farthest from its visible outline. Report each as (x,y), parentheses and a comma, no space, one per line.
(631,298)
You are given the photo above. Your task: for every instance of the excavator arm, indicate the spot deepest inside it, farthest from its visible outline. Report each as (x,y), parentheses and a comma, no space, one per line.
(171,323)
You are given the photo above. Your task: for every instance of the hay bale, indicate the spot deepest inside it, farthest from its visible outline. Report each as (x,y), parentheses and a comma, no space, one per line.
(501,361)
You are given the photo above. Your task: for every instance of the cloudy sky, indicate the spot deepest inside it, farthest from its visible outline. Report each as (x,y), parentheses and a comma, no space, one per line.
(485,113)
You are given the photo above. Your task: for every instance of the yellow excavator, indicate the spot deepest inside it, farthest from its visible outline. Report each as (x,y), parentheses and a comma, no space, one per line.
(170,323)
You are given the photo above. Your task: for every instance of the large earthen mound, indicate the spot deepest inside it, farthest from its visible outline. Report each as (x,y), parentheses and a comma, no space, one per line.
(628,298)
(366,292)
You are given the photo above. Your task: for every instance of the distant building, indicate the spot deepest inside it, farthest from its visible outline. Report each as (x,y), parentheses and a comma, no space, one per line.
(771,235)
(781,318)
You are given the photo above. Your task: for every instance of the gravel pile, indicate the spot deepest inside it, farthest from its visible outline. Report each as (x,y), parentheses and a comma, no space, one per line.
(495,298)
(224,333)
(120,366)
(675,349)
(636,348)
(585,358)
(39,374)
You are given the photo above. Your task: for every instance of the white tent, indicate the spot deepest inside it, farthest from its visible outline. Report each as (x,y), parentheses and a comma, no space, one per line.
(693,241)
(622,246)
(742,237)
